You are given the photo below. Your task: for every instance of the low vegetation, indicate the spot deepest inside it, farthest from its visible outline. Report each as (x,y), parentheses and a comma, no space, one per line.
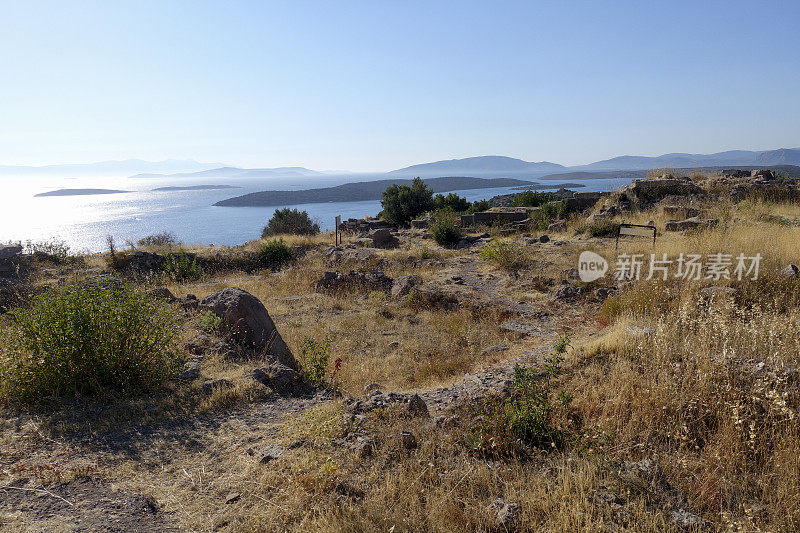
(445,230)
(87,340)
(506,254)
(288,221)
(182,266)
(276,254)
(164,239)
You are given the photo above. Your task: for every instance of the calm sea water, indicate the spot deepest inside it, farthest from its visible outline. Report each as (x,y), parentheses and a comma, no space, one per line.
(83,222)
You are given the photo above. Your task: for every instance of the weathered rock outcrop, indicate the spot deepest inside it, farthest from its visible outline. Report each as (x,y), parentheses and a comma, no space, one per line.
(246,318)
(354,281)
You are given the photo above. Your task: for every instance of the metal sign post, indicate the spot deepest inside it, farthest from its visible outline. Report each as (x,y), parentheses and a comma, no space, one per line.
(636,230)
(337,235)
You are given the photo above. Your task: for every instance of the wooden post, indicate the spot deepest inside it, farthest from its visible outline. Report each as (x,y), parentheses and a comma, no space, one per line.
(336,235)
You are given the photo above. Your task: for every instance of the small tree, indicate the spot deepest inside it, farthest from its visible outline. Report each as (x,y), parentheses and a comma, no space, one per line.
(290,222)
(402,203)
(452,202)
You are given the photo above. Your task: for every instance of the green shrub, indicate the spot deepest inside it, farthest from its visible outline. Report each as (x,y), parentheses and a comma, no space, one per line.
(402,203)
(182,266)
(451,202)
(87,340)
(210,321)
(508,255)
(532,199)
(314,358)
(528,416)
(600,228)
(163,239)
(275,254)
(444,230)
(547,213)
(290,222)
(478,206)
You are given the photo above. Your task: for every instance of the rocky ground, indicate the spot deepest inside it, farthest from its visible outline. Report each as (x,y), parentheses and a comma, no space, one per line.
(418,334)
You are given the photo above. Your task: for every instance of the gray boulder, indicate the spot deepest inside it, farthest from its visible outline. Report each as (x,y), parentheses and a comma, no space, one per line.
(403,285)
(383,238)
(281,379)
(246,318)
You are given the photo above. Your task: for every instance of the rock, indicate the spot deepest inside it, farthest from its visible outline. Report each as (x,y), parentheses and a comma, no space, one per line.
(544,238)
(363,241)
(493,349)
(506,513)
(523,328)
(432,298)
(558,226)
(211,386)
(651,190)
(10,251)
(403,285)
(684,519)
(248,321)
(567,292)
(363,446)
(718,291)
(422,223)
(594,217)
(680,212)
(354,281)
(417,407)
(640,331)
(189,302)
(764,173)
(281,379)
(270,452)
(682,225)
(791,272)
(162,293)
(371,389)
(191,371)
(225,349)
(383,238)
(233,497)
(601,293)
(408,440)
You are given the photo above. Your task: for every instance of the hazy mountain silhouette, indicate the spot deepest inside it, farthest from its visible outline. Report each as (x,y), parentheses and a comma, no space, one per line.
(237,172)
(782,156)
(477,166)
(107,168)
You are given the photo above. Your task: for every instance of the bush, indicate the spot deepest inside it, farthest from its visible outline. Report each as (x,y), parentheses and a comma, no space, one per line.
(290,222)
(444,229)
(314,358)
(549,212)
(402,203)
(451,202)
(53,250)
(87,340)
(527,417)
(508,255)
(478,206)
(532,199)
(210,321)
(275,254)
(165,238)
(182,266)
(600,228)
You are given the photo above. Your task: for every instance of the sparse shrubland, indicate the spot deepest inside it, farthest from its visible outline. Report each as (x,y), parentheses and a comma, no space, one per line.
(445,231)
(92,340)
(276,254)
(158,240)
(508,255)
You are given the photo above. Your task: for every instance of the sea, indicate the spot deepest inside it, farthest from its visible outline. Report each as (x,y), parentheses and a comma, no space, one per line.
(84,222)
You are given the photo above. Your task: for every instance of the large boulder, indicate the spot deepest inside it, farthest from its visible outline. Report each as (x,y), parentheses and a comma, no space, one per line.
(246,318)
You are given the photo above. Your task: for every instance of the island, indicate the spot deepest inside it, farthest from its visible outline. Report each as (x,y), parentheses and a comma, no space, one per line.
(79,192)
(197,188)
(367,190)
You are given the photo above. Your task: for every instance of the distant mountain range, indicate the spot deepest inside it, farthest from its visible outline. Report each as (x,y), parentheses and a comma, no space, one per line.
(107,168)
(493,166)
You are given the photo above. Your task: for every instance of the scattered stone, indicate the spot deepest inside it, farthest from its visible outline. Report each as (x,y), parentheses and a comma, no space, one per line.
(403,285)
(791,272)
(408,440)
(372,388)
(594,217)
(233,497)
(248,321)
(559,226)
(492,349)
(191,371)
(211,386)
(162,293)
(718,291)
(682,225)
(354,281)
(270,452)
(281,379)
(601,293)
(544,238)
(417,407)
(684,519)
(383,238)
(522,328)
(567,292)
(506,513)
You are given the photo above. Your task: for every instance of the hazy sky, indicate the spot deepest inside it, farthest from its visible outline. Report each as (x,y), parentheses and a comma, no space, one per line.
(378,84)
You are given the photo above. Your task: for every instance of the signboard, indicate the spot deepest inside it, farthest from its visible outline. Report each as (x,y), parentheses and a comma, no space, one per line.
(336,235)
(636,230)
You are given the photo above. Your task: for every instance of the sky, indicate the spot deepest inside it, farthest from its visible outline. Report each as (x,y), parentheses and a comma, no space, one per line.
(382,84)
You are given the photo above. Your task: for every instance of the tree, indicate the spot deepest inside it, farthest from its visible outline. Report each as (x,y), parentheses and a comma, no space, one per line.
(290,221)
(402,203)
(451,202)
